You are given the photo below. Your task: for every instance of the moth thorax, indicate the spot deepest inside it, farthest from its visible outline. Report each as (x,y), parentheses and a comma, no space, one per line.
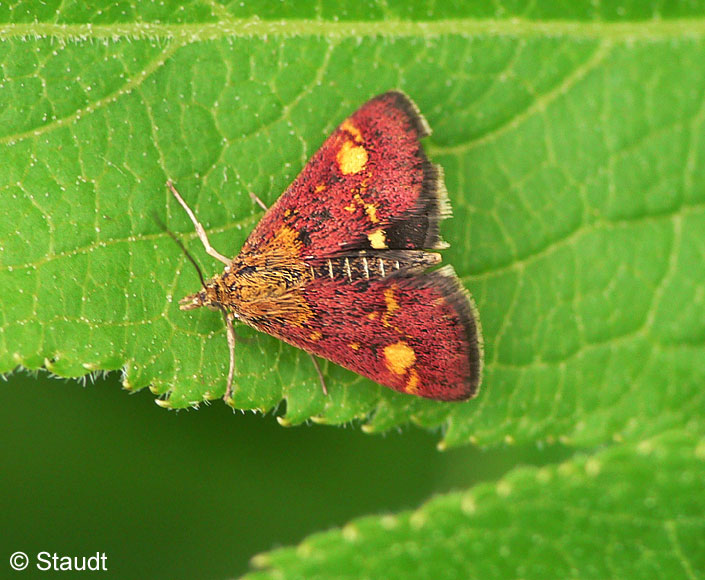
(264,283)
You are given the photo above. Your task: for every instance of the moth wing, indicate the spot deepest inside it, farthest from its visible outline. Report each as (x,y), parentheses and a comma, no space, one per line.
(418,334)
(370,191)
(369,186)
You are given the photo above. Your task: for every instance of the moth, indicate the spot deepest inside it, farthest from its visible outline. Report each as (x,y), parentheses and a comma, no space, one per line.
(342,265)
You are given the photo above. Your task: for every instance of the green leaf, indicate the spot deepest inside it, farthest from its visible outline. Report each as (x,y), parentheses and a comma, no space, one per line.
(572,138)
(632,511)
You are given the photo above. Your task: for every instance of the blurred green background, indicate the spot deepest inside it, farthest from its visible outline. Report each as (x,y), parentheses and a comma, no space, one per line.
(195,494)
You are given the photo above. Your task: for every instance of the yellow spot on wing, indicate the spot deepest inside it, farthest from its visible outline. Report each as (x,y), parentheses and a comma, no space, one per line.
(320,187)
(371,211)
(399,357)
(354,345)
(348,126)
(370,208)
(351,158)
(286,241)
(377,239)
(315,335)
(412,383)
(392,306)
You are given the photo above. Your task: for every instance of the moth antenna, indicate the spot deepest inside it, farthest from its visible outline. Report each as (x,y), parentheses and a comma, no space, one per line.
(172,235)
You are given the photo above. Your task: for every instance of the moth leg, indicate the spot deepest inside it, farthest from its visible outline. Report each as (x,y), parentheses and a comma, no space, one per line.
(228,316)
(320,374)
(199,228)
(258,201)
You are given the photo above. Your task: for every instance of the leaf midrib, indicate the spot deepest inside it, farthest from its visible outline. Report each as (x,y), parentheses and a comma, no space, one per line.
(644,30)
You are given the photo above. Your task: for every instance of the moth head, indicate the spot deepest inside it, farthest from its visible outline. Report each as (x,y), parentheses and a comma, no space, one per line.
(210,296)
(193,301)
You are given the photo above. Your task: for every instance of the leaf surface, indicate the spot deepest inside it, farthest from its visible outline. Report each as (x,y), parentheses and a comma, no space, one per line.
(630,511)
